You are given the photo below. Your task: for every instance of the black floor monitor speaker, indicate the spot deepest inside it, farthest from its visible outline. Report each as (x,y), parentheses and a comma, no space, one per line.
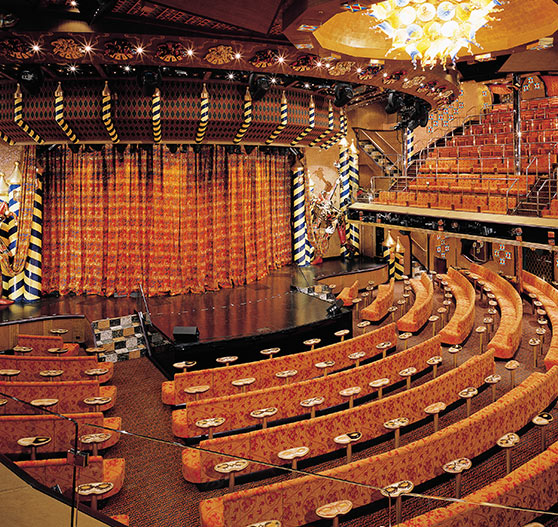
(182,334)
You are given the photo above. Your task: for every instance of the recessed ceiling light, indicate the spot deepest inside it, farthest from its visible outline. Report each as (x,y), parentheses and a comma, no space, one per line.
(237,55)
(190,52)
(73,3)
(36,47)
(230,76)
(73,68)
(87,48)
(273,80)
(126,68)
(306,85)
(319,64)
(359,70)
(139,50)
(280,59)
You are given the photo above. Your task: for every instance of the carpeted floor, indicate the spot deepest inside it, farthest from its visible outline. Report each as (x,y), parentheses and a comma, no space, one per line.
(156,495)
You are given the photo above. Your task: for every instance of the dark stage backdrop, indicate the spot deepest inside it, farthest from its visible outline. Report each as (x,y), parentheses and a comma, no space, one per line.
(176,223)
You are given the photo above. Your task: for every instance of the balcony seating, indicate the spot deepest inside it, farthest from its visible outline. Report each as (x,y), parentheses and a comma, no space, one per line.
(508,336)
(51,472)
(552,211)
(13,427)
(548,295)
(41,343)
(348,293)
(318,433)
(378,309)
(533,485)
(74,367)
(287,398)
(461,323)
(294,501)
(70,395)
(219,379)
(421,309)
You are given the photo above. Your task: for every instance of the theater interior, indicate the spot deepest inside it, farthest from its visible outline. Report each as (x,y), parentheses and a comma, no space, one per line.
(278,263)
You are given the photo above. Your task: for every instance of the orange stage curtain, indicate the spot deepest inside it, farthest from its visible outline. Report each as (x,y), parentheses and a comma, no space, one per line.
(176,223)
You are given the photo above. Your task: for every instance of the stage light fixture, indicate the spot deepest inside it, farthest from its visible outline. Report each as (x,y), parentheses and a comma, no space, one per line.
(150,78)
(258,85)
(30,78)
(343,93)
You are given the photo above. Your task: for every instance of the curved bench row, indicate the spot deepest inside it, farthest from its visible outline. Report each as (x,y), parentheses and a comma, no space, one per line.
(264,371)
(74,367)
(318,434)
(418,314)
(14,427)
(533,485)
(548,295)
(51,472)
(237,408)
(70,395)
(41,343)
(508,335)
(348,293)
(378,309)
(463,319)
(294,502)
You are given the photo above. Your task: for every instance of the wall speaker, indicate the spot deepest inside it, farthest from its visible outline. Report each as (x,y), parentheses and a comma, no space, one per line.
(185,334)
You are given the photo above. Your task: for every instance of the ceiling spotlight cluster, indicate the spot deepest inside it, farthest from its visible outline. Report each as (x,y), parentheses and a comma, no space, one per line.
(412,111)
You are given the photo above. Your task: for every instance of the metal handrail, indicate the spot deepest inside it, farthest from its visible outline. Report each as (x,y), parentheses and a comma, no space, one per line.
(365,132)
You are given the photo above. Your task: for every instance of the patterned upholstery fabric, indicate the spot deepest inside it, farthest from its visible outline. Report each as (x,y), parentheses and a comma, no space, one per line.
(548,295)
(378,309)
(70,395)
(421,309)
(463,318)
(219,379)
(73,367)
(508,335)
(124,519)
(533,485)
(348,293)
(287,398)
(318,433)
(41,343)
(52,472)
(13,427)
(293,502)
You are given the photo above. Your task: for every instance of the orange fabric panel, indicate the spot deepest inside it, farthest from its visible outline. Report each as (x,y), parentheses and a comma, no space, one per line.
(378,309)
(177,223)
(461,323)
(348,293)
(219,379)
(41,343)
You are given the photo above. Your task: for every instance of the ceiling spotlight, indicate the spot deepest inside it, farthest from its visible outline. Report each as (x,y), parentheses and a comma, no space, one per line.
(36,48)
(230,76)
(306,85)
(273,80)
(359,70)
(190,52)
(73,3)
(280,59)
(319,64)
(126,68)
(72,68)
(237,55)
(87,48)
(139,50)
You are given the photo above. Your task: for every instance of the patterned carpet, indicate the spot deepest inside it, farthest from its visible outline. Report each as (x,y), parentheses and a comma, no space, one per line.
(156,495)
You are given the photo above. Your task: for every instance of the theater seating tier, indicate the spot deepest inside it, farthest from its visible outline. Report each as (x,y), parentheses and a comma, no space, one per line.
(70,395)
(461,323)
(508,335)
(318,434)
(40,344)
(219,379)
(548,295)
(378,309)
(73,367)
(294,502)
(236,408)
(51,472)
(418,314)
(533,485)
(348,293)
(61,431)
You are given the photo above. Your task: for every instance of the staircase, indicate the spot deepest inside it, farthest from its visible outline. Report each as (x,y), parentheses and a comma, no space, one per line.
(538,198)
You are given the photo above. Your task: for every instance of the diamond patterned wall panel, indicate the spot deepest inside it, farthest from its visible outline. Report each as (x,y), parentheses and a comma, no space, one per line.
(266,115)
(180,110)
(225,111)
(82,110)
(7,123)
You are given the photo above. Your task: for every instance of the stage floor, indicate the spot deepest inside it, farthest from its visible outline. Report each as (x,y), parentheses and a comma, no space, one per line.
(265,306)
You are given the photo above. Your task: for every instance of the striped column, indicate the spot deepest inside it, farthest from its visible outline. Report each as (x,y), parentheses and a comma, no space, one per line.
(204,115)
(329,131)
(389,253)
(399,257)
(410,144)
(311,123)
(18,117)
(15,284)
(354,230)
(299,216)
(59,114)
(344,188)
(6,139)
(246,118)
(33,266)
(342,131)
(156,115)
(282,124)
(107,114)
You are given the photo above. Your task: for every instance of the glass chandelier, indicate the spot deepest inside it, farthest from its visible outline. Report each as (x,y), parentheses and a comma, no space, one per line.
(433,31)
